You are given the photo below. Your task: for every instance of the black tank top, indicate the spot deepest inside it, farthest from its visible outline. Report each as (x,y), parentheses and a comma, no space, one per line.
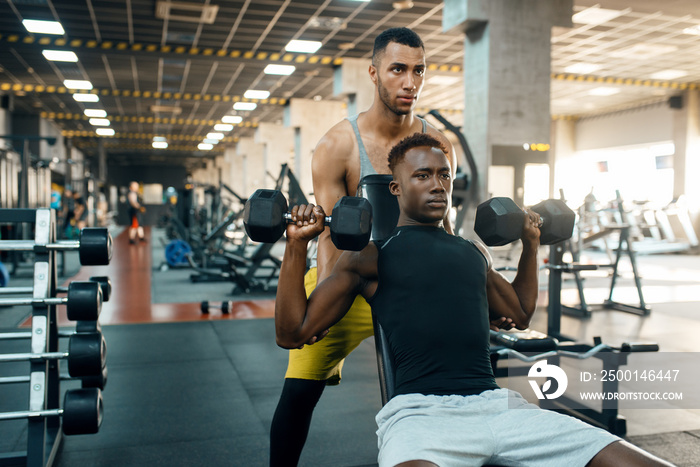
(431,303)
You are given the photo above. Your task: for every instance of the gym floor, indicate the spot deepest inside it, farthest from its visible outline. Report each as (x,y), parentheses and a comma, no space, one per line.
(192,389)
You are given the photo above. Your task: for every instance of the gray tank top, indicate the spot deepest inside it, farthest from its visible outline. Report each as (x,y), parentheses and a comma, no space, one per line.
(366,167)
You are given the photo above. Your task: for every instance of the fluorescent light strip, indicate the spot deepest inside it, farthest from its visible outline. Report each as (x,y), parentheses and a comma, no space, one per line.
(43,27)
(159,139)
(159,145)
(81,97)
(211,141)
(105,131)
(99,122)
(60,55)
(215,136)
(244,106)
(96,113)
(205,146)
(305,47)
(284,70)
(231,119)
(253,94)
(77,84)
(223,127)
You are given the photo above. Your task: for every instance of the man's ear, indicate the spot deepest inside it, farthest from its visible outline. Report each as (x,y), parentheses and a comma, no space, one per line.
(394,188)
(373,73)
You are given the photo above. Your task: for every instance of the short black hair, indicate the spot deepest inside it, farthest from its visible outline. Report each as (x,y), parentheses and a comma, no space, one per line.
(416,140)
(402,36)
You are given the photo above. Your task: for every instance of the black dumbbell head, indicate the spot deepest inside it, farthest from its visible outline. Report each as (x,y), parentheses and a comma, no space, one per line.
(558,219)
(351,223)
(82,411)
(84,301)
(263,216)
(95,246)
(87,354)
(498,221)
(97,381)
(105,286)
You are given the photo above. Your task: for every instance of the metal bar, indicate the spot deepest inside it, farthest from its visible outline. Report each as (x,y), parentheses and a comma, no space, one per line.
(30,357)
(27,245)
(30,414)
(27,335)
(33,301)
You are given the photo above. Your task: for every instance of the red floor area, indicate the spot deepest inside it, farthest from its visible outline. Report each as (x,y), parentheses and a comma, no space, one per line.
(130,300)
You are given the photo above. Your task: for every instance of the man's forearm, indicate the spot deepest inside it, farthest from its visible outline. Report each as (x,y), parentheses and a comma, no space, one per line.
(526,282)
(291,302)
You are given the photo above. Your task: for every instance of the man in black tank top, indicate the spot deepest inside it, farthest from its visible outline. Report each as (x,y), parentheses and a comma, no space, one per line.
(434,295)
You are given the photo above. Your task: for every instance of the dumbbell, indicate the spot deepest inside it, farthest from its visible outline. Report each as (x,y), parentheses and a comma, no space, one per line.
(86,356)
(105,286)
(265,217)
(82,412)
(225,307)
(94,246)
(499,221)
(84,301)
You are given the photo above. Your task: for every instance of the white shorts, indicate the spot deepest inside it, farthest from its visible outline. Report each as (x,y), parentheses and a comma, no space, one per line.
(494,427)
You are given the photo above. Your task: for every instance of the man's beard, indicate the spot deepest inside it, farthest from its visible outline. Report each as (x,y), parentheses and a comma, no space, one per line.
(386,99)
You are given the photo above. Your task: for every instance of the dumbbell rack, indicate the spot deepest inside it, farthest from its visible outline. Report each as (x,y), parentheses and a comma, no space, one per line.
(44,434)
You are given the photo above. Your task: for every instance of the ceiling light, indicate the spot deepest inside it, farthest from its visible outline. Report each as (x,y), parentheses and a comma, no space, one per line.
(81,97)
(405,5)
(285,70)
(215,136)
(232,119)
(253,94)
(43,27)
(223,127)
(159,145)
(244,106)
(642,51)
(60,55)
(346,46)
(105,131)
(77,84)
(205,146)
(97,113)
(305,47)
(595,15)
(173,109)
(603,91)
(582,68)
(159,139)
(99,122)
(693,30)
(211,141)
(669,74)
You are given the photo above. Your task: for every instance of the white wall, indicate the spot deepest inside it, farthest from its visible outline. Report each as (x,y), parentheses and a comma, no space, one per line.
(644,125)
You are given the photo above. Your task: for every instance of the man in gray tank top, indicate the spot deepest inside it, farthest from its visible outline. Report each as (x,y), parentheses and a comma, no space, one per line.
(353,148)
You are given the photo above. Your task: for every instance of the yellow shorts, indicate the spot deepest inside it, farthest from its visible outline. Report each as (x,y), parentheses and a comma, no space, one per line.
(324,360)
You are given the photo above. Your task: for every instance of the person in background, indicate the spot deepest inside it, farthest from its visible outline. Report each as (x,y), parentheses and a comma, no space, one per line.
(80,211)
(67,207)
(135,209)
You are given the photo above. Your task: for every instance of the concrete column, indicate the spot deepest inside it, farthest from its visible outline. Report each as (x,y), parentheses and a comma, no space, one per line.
(686,161)
(506,71)
(310,121)
(278,148)
(252,154)
(351,80)
(561,154)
